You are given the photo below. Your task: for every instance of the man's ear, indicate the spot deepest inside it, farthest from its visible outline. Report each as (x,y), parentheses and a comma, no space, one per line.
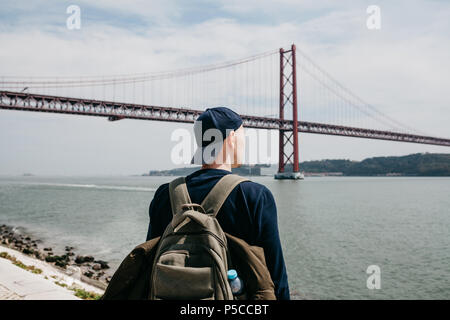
(232,139)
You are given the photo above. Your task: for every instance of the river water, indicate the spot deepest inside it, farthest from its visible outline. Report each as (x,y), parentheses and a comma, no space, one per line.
(332,229)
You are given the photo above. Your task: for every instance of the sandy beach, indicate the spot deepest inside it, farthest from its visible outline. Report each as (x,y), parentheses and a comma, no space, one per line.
(23,277)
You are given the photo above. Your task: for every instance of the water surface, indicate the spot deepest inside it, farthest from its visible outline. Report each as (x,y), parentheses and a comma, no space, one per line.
(331,229)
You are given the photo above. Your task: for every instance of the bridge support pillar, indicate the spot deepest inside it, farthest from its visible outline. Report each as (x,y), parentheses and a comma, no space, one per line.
(288,166)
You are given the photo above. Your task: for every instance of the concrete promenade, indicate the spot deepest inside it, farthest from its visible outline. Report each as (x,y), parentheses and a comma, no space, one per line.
(19,284)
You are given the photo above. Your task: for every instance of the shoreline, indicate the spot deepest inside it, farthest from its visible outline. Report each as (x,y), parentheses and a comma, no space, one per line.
(84,269)
(26,277)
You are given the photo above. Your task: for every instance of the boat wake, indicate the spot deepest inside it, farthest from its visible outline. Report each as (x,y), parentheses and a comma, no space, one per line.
(93,186)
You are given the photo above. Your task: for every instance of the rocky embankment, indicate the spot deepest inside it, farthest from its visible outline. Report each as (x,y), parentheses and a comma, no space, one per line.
(88,268)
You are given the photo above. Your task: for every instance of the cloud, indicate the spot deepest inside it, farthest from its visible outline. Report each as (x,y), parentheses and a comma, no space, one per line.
(403,69)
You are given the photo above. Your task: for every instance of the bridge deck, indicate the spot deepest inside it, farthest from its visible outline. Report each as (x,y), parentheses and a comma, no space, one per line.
(116,111)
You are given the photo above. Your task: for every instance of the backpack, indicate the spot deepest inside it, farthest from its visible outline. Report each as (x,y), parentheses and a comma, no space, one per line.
(192,259)
(136,277)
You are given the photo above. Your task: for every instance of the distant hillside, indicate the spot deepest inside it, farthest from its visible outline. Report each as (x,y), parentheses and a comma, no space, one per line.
(420,164)
(245,170)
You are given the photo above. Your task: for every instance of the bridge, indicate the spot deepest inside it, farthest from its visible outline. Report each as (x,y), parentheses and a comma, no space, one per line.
(263,89)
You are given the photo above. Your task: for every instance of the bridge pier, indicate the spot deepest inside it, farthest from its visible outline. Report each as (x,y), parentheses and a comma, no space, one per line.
(289,176)
(288,97)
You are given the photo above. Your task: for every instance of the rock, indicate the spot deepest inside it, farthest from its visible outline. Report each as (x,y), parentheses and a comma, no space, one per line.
(48,249)
(88,274)
(61,263)
(51,258)
(97,267)
(74,272)
(59,260)
(103,264)
(81,259)
(27,251)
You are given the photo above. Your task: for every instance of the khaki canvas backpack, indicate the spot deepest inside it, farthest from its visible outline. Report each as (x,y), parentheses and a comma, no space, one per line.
(136,277)
(192,259)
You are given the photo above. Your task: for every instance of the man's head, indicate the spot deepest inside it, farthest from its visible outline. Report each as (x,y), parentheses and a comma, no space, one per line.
(220,138)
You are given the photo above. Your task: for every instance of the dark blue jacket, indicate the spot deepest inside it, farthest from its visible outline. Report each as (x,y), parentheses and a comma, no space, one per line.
(249,213)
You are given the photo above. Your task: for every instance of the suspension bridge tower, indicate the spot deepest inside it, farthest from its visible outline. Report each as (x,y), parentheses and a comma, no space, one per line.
(288,166)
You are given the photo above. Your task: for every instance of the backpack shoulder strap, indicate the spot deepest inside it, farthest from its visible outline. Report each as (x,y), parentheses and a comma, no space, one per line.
(179,195)
(220,192)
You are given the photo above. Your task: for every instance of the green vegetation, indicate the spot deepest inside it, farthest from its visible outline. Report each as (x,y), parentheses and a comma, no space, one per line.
(80,293)
(61,284)
(86,295)
(420,164)
(19,263)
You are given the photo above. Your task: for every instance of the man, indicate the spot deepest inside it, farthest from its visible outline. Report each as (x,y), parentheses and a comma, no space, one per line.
(248,213)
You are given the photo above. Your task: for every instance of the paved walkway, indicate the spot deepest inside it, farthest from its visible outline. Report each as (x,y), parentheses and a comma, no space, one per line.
(20,284)
(6,294)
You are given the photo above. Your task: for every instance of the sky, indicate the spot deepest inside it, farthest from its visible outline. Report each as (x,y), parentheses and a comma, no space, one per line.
(403,69)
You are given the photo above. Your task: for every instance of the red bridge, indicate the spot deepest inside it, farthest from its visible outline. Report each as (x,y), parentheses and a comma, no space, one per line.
(319,89)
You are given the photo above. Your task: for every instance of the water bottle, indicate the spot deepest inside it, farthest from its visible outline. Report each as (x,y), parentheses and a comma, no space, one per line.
(236,284)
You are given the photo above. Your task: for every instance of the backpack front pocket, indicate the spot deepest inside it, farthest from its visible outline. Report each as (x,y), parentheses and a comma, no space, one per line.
(172,282)
(174,257)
